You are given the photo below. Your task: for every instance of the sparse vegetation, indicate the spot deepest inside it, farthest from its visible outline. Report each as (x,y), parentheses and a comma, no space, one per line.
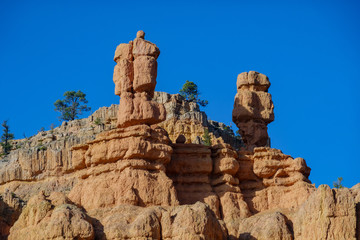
(72,106)
(206,137)
(41,147)
(5,139)
(237,134)
(52,126)
(338,183)
(191,93)
(98,121)
(229,130)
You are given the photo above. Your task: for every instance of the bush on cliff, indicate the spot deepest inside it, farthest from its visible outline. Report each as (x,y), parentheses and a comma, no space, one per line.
(206,137)
(338,183)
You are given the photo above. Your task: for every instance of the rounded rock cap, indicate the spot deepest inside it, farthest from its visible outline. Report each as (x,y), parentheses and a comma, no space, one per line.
(140,34)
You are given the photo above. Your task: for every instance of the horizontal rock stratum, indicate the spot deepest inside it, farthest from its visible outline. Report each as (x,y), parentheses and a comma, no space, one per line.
(140,170)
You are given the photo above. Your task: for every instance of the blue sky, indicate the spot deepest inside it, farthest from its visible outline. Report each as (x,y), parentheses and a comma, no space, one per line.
(309,49)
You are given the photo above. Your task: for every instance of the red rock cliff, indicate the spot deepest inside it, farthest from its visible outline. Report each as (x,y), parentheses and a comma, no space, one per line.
(125,179)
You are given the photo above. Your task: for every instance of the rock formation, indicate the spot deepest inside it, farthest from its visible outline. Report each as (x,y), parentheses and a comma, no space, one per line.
(10,210)
(253,108)
(139,150)
(278,180)
(327,214)
(138,170)
(52,217)
(135,79)
(185,118)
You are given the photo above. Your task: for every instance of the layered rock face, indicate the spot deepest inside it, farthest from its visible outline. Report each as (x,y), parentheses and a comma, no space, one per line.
(10,210)
(327,214)
(139,150)
(131,171)
(182,117)
(135,80)
(276,180)
(54,217)
(253,108)
(185,118)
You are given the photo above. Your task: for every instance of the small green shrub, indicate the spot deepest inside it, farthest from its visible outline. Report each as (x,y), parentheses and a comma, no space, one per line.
(97,121)
(338,184)
(206,137)
(42,148)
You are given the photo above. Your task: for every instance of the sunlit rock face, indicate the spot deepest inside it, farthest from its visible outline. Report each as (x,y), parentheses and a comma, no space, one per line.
(138,148)
(139,170)
(135,80)
(253,108)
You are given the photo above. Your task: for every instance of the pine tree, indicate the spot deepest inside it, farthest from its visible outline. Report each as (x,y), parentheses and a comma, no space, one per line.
(5,139)
(71,106)
(206,137)
(191,93)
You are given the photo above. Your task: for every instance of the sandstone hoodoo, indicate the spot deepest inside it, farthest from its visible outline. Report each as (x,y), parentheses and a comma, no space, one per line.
(135,81)
(253,108)
(138,170)
(139,149)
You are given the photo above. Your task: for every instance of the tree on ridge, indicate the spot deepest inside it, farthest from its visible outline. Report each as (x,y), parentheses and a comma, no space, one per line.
(191,93)
(5,139)
(72,106)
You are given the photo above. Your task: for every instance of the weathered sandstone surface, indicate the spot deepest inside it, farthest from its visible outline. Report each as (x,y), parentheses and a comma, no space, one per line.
(139,170)
(185,118)
(253,108)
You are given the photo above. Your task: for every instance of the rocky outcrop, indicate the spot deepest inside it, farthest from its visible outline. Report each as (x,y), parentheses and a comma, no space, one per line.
(140,151)
(10,210)
(253,108)
(226,186)
(327,214)
(185,118)
(190,168)
(269,225)
(195,221)
(135,80)
(49,153)
(270,179)
(52,217)
(138,175)
(131,171)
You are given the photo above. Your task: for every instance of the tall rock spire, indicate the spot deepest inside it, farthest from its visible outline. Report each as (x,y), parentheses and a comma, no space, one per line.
(253,108)
(135,80)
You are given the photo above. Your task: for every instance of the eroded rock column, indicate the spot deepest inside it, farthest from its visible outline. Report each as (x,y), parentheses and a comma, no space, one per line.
(129,161)
(135,80)
(226,186)
(253,108)
(190,168)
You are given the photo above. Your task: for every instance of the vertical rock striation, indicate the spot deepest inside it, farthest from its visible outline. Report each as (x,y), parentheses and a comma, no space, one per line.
(132,182)
(253,108)
(135,80)
(138,150)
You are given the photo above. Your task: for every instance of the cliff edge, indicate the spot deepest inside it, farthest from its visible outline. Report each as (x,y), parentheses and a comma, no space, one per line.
(139,170)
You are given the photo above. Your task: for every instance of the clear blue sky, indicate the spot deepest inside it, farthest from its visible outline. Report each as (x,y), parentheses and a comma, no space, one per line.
(310,51)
